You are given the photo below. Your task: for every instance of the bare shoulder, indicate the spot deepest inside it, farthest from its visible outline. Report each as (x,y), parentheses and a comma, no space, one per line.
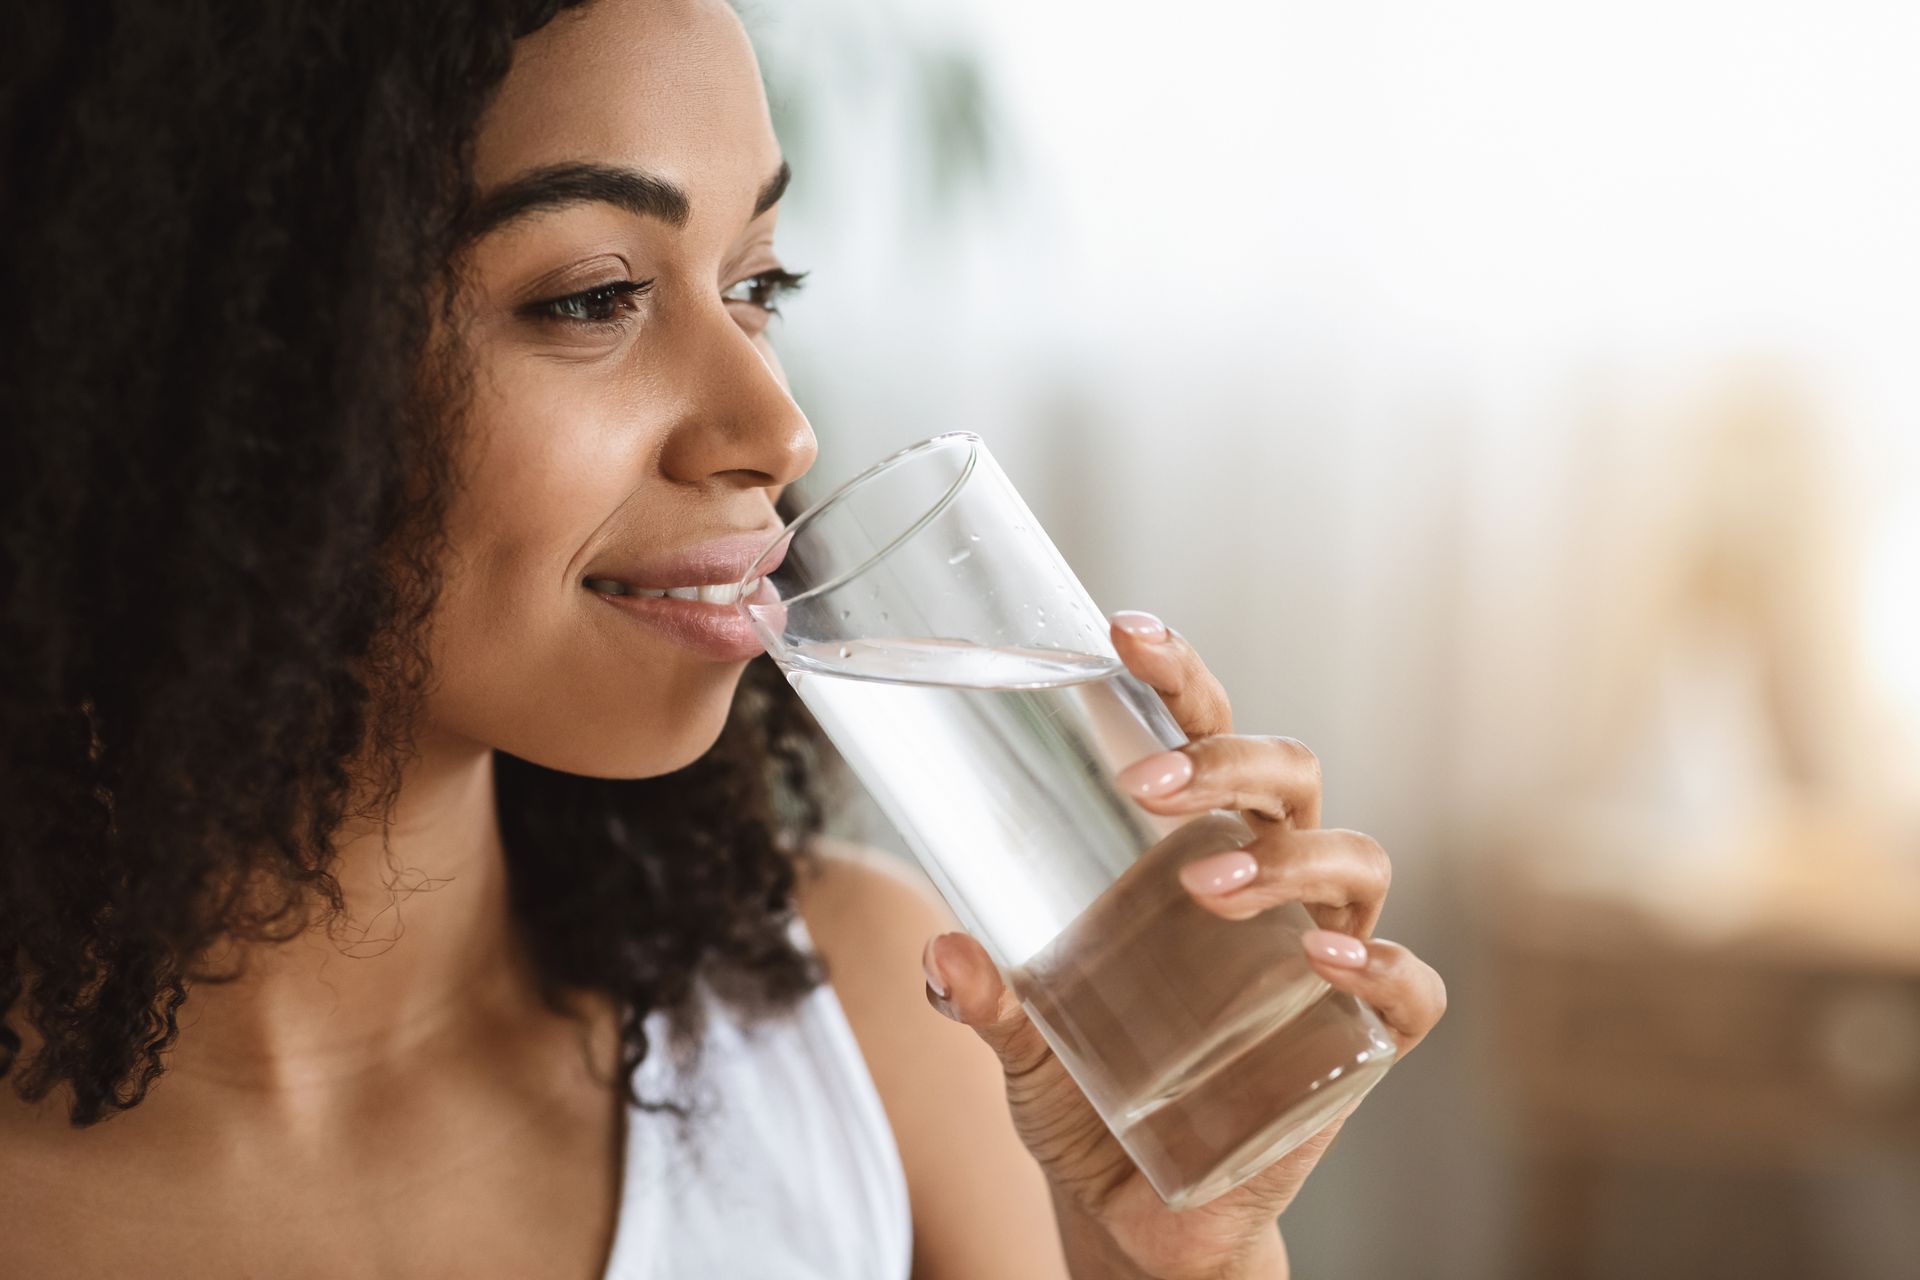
(861,896)
(870,913)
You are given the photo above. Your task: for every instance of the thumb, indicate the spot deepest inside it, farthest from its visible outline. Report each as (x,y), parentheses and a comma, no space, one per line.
(964,984)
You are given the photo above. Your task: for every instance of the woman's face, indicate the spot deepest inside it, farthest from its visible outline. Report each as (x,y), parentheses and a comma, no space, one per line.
(626,402)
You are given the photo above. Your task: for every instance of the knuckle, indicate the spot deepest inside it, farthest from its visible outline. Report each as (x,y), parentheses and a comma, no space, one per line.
(1379,865)
(1418,979)
(1018,1045)
(1217,692)
(1301,755)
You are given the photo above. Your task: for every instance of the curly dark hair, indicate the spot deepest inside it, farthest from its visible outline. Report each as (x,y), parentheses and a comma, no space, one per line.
(227,455)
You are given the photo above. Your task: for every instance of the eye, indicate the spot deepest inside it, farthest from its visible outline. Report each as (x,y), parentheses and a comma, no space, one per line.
(598,307)
(766,289)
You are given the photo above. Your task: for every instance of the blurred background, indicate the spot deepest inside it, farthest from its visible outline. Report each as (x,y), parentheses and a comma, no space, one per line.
(1518,403)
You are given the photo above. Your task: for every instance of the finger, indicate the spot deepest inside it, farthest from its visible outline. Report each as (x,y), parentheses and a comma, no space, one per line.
(1341,877)
(963,984)
(1274,779)
(1051,1113)
(1403,989)
(1162,658)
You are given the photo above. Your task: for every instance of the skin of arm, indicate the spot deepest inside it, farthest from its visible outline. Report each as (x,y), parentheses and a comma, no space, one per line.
(981,1205)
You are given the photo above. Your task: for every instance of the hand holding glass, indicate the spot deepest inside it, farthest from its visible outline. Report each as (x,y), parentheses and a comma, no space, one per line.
(942,642)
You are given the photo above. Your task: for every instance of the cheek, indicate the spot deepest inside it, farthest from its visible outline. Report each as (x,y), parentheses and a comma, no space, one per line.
(544,465)
(524,658)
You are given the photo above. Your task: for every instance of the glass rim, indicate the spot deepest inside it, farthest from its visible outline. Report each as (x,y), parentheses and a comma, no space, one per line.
(974,445)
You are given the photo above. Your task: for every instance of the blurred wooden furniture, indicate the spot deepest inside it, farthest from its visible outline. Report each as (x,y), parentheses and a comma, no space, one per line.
(1754,1006)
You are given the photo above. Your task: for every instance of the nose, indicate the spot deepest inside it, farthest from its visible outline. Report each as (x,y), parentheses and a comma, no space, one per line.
(739,427)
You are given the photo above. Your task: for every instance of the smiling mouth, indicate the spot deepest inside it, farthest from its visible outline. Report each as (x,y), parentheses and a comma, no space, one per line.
(713,593)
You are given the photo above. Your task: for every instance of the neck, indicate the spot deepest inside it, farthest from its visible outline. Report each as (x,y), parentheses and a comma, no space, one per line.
(425,947)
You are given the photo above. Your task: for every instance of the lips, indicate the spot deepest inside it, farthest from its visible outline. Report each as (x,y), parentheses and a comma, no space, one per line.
(719,631)
(716,562)
(714,627)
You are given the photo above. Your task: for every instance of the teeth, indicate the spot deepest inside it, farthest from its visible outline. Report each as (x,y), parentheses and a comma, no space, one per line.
(717,593)
(728,592)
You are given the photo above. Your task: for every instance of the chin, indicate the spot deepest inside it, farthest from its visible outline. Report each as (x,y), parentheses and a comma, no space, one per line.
(671,753)
(661,737)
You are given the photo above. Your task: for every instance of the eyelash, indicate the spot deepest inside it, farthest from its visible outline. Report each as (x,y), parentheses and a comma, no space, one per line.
(769,286)
(623,293)
(763,291)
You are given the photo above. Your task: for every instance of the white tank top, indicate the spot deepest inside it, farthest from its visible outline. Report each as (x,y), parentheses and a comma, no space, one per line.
(789,1171)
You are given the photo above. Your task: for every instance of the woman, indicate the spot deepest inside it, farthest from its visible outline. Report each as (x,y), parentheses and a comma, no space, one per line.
(377,889)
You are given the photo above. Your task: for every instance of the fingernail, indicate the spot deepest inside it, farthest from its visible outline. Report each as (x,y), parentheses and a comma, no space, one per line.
(932,970)
(1158,775)
(1335,948)
(1219,872)
(1144,625)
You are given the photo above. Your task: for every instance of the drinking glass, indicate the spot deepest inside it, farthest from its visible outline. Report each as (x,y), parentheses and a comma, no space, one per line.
(934,631)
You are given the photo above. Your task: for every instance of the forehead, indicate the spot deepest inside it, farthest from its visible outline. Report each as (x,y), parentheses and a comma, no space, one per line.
(670,87)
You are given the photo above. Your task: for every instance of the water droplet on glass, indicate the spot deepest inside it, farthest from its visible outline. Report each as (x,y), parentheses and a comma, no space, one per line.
(846,651)
(845,614)
(973,537)
(883,615)
(960,555)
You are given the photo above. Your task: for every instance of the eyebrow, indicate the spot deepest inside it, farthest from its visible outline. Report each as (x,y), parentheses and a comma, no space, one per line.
(560,185)
(770,194)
